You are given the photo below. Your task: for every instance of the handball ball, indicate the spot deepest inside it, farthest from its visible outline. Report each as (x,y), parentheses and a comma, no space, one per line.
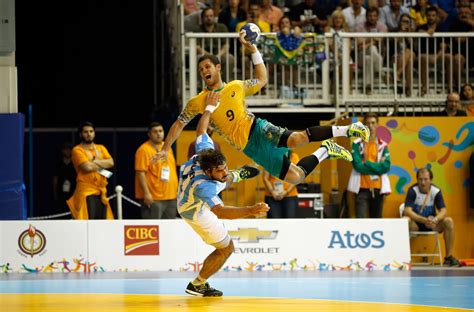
(251,32)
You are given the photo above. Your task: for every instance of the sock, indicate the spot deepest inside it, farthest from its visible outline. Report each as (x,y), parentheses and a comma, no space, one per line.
(198,281)
(321,153)
(319,133)
(340,131)
(308,163)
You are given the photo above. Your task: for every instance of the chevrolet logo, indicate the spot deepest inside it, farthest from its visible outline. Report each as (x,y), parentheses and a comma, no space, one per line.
(252,235)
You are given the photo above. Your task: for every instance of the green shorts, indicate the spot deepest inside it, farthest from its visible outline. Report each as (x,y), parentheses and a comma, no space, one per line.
(263,148)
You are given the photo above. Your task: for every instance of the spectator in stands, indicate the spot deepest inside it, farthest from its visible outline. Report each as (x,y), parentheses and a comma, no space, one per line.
(91,162)
(444,7)
(418,12)
(453,106)
(426,211)
(282,197)
(253,16)
(190,6)
(308,16)
(337,24)
(211,46)
(156,184)
(64,179)
(192,146)
(467,98)
(432,51)
(354,14)
(404,56)
(369,179)
(369,49)
(453,16)
(391,13)
(232,14)
(271,14)
(459,48)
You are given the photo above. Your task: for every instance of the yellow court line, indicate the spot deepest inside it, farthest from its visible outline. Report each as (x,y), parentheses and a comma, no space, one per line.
(171,303)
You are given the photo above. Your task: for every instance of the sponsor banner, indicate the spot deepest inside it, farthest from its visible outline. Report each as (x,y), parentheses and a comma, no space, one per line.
(141,245)
(311,244)
(44,246)
(163,245)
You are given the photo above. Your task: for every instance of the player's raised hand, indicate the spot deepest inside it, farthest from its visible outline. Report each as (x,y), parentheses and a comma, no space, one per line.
(248,45)
(213,98)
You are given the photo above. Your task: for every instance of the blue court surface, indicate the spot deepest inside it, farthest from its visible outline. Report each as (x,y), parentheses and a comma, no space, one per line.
(453,288)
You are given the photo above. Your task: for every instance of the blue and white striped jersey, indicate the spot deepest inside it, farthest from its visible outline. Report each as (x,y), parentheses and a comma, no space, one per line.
(196,190)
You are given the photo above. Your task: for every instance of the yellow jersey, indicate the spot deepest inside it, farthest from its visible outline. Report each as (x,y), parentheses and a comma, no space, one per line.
(231,119)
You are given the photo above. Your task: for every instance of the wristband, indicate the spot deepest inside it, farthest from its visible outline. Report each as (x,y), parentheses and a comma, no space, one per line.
(257,58)
(211,108)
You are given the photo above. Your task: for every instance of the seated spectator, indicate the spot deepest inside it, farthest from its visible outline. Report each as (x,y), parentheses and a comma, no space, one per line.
(432,51)
(354,14)
(369,53)
(211,46)
(390,14)
(271,14)
(404,56)
(337,24)
(308,16)
(459,48)
(453,107)
(369,179)
(467,98)
(232,14)
(418,12)
(190,6)
(282,197)
(426,211)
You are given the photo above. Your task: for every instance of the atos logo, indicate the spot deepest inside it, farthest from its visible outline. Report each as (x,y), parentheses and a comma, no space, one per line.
(352,241)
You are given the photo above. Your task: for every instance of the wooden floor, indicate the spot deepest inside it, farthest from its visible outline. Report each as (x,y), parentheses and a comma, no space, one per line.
(171,303)
(398,291)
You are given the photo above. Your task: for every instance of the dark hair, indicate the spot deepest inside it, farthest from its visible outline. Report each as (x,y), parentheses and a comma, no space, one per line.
(371,115)
(419,171)
(431,8)
(153,125)
(204,12)
(370,10)
(463,97)
(85,124)
(210,158)
(214,59)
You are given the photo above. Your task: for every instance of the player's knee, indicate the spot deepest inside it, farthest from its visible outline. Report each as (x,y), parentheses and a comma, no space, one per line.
(295,175)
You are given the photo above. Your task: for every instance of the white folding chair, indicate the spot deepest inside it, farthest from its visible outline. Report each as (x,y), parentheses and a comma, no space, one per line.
(437,247)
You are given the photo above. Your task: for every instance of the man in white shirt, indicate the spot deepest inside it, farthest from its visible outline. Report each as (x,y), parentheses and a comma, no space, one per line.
(354,14)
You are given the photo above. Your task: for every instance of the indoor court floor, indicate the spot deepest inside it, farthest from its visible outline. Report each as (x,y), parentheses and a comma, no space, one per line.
(425,289)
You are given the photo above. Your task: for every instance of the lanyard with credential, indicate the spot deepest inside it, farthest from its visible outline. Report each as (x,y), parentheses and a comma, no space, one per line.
(97,153)
(424,202)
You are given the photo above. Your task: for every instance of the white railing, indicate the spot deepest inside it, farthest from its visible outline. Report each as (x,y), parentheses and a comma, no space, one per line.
(401,76)
(382,78)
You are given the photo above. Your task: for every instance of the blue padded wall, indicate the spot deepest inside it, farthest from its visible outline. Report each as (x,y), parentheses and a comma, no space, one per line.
(12,187)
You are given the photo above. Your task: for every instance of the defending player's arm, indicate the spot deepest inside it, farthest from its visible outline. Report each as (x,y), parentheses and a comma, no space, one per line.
(230,212)
(213,100)
(260,71)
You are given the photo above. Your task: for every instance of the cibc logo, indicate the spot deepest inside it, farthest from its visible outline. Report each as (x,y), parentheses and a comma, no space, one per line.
(359,240)
(141,240)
